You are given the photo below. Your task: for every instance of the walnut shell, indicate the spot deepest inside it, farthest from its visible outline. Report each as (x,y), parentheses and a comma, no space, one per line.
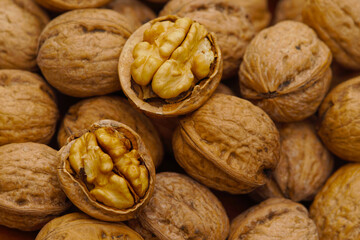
(227,144)
(78,226)
(286,71)
(21,23)
(258,11)
(137,227)
(158,107)
(181,208)
(275,218)
(335,208)
(339,116)
(65,5)
(84,113)
(337,24)
(79,51)
(28,112)
(289,10)
(78,192)
(30,194)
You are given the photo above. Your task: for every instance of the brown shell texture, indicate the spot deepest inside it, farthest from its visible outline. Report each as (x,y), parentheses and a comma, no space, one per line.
(78,226)
(21,23)
(340,120)
(286,71)
(65,5)
(30,194)
(79,51)
(198,95)
(335,209)
(273,219)
(337,23)
(137,227)
(84,113)
(289,10)
(77,191)
(28,109)
(227,19)
(181,208)
(227,144)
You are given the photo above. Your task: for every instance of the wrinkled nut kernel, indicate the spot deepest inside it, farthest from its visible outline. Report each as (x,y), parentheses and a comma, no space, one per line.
(289,10)
(66,5)
(108,162)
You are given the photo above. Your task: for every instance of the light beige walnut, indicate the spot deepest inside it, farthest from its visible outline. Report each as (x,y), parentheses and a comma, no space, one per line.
(286,71)
(66,5)
(289,10)
(21,23)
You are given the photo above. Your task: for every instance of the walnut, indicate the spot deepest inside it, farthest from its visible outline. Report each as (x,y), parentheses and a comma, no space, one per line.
(78,226)
(30,194)
(286,71)
(258,11)
(335,208)
(21,23)
(137,227)
(170,66)
(181,208)
(65,5)
(227,144)
(28,111)
(79,51)
(339,116)
(107,172)
(289,10)
(275,218)
(337,24)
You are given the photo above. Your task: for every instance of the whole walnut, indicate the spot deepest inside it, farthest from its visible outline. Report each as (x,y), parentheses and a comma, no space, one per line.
(275,218)
(65,5)
(28,109)
(228,144)
(289,10)
(337,24)
(286,71)
(21,23)
(79,51)
(335,209)
(339,116)
(30,194)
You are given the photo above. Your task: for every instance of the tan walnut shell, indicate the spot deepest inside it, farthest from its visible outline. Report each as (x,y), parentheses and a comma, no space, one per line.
(137,227)
(339,116)
(79,51)
(65,5)
(289,10)
(78,192)
(286,71)
(21,23)
(337,24)
(28,109)
(275,218)
(30,194)
(195,97)
(78,226)
(84,113)
(335,209)
(181,208)
(228,144)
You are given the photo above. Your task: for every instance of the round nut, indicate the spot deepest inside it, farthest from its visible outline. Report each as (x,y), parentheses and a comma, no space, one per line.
(275,218)
(79,51)
(170,66)
(21,23)
(335,208)
(65,5)
(227,144)
(28,112)
(258,11)
(181,208)
(289,10)
(107,172)
(30,194)
(78,226)
(339,116)
(286,71)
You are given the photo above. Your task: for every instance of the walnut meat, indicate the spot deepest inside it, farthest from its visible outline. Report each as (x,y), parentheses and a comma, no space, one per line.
(21,23)
(28,109)
(107,171)
(65,5)
(170,66)
(184,209)
(79,51)
(289,10)
(286,71)
(339,120)
(30,194)
(275,218)
(227,144)
(78,226)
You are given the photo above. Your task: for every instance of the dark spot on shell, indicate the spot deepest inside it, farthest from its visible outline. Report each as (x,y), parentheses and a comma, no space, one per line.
(21,201)
(298,47)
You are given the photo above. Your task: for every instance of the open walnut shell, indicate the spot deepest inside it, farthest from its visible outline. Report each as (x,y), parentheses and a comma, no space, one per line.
(185,100)
(107,172)
(65,5)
